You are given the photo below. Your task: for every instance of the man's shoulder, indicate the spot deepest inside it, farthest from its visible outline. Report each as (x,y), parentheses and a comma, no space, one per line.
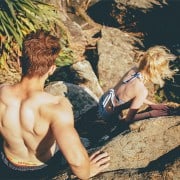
(5,91)
(4,86)
(56,101)
(60,112)
(59,106)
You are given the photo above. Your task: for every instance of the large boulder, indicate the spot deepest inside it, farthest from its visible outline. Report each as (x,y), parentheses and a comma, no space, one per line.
(85,104)
(148,140)
(116,50)
(84,71)
(150,150)
(81,98)
(116,55)
(165,167)
(132,151)
(141,4)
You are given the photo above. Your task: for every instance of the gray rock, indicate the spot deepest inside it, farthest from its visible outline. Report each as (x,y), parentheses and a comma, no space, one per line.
(148,140)
(141,4)
(85,72)
(81,98)
(116,55)
(149,151)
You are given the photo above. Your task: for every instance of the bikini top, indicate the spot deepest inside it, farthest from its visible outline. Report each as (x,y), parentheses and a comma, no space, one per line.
(136,75)
(111,94)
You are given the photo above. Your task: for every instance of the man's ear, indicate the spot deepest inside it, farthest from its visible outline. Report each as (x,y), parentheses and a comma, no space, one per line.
(52,69)
(19,61)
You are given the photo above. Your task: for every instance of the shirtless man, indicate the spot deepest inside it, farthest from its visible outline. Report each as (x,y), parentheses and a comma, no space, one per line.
(34,123)
(131,91)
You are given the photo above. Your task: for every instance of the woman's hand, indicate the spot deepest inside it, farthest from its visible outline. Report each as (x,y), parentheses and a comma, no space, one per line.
(159,107)
(158,112)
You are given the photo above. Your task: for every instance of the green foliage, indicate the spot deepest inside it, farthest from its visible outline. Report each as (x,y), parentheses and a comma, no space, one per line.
(18,18)
(65,58)
(170,92)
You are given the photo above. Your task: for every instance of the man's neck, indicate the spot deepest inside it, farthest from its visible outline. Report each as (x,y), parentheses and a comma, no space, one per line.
(32,84)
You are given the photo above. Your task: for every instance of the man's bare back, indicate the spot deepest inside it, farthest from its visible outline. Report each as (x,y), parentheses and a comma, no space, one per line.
(25,126)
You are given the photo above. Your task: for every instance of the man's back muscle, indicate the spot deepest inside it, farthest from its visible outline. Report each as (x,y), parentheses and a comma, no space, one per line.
(24,128)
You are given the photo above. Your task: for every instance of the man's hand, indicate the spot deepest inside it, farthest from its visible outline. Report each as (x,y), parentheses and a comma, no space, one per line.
(98,162)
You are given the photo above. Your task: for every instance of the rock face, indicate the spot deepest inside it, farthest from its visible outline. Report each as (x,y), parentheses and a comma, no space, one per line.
(84,103)
(149,152)
(116,50)
(75,94)
(85,71)
(157,171)
(116,55)
(151,140)
(141,4)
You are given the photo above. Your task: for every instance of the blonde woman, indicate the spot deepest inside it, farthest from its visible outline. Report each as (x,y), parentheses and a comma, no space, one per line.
(131,92)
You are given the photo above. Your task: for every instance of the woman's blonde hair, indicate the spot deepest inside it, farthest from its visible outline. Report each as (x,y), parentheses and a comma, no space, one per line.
(154,64)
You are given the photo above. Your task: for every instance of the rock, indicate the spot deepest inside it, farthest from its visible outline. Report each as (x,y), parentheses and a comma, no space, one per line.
(116,51)
(151,140)
(81,98)
(161,170)
(85,71)
(151,151)
(84,103)
(116,55)
(141,4)
(133,152)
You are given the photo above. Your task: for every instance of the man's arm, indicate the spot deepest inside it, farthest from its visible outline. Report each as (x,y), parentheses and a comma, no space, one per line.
(69,141)
(73,150)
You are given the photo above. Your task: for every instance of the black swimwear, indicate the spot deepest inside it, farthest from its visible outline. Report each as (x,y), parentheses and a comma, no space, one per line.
(10,171)
(136,75)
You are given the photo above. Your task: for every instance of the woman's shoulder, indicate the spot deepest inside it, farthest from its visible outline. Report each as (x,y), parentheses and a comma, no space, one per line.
(139,87)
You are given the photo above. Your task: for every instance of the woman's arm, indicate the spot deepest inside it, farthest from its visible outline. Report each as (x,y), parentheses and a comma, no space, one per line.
(136,104)
(148,102)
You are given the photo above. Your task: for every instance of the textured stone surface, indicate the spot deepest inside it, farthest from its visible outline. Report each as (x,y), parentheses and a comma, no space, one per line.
(151,140)
(145,143)
(116,55)
(85,71)
(149,151)
(81,98)
(141,4)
